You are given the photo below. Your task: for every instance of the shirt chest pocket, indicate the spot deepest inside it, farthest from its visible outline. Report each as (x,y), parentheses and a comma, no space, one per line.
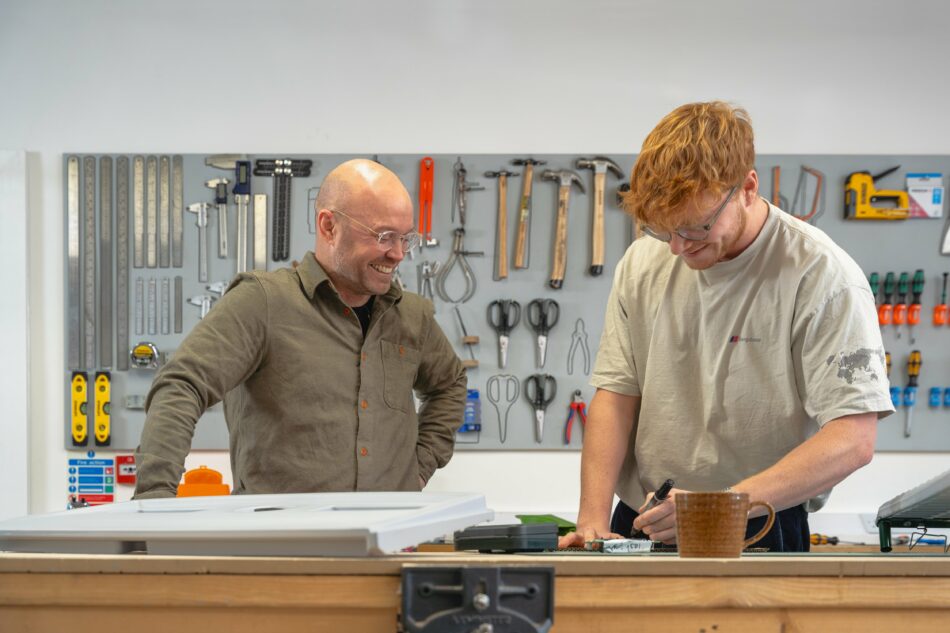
(400,364)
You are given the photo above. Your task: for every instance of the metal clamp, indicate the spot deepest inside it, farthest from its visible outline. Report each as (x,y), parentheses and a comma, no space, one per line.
(458,256)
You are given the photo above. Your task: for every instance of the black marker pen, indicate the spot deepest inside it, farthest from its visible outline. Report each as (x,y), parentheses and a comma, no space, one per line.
(658,497)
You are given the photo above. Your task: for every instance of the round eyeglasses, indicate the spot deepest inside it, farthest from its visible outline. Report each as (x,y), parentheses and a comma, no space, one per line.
(692,233)
(387,240)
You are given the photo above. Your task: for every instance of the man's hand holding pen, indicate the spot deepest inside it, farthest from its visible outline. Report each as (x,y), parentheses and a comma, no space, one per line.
(657,519)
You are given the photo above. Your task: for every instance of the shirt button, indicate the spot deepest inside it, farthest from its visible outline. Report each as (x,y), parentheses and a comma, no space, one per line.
(364,452)
(364,404)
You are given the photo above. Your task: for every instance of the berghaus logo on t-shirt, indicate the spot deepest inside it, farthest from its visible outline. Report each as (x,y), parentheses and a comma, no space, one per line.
(744,339)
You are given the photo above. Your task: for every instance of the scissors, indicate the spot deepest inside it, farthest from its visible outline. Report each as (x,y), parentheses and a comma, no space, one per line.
(503,315)
(540,390)
(542,316)
(512,388)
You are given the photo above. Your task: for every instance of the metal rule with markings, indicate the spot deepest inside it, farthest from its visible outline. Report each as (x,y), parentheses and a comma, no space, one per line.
(140,306)
(164,224)
(260,231)
(166,306)
(178,302)
(122,262)
(151,212)
(74,358)
(89,260)
(105,262)
(178,207)
(152,315)
(138,211)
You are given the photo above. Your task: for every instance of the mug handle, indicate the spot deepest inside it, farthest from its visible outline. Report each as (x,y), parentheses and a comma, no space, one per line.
(768,524)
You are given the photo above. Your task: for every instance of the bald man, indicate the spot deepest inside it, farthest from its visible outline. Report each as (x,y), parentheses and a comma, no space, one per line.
(317,364)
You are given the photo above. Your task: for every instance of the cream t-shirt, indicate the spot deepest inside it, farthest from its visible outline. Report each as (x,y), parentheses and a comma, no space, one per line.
(738,364)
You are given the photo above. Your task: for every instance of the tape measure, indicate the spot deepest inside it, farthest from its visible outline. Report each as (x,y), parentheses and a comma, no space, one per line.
(144,356)
(103,428)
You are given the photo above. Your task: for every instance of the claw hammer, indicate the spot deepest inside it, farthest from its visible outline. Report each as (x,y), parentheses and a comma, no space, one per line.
(600,165)
(565,178)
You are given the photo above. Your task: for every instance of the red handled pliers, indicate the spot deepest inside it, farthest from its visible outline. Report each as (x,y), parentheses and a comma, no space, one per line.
(577,406)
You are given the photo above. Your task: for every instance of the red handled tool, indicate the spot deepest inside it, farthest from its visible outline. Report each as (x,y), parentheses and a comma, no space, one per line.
(885,311)
(941,311)
(913,313)
(579,407)
(900,308)
(426,179)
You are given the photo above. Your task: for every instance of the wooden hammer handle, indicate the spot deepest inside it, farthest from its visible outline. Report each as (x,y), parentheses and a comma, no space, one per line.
(560,239)
(597,235)
(501,231)
(524,210)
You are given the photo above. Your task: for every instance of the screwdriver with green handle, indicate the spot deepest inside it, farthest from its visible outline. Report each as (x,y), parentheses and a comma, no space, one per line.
(941,311)
(886,310)
(913,313)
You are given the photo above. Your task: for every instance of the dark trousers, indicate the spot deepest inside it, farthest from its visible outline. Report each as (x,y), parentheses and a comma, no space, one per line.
(789,533)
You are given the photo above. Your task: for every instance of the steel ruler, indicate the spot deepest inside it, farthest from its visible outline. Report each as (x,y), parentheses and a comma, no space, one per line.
(164,225)
(151,212)
(122,262)
(138,211)
(89,260)
(178,221)
(74,356)
(105,262)
(260,231)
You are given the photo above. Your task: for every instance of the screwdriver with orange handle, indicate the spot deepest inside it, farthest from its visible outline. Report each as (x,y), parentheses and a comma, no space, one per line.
(885,311)
(913,313)
(941,311)
(900,308)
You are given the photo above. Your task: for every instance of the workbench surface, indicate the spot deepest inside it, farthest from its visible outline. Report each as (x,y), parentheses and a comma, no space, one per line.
(593,592)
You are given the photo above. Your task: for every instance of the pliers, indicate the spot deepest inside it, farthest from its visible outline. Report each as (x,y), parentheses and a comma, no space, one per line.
(577,406)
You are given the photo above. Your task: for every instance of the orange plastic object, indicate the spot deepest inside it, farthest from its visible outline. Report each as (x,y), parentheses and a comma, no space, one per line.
(203,482)
(884,313)
(940,314)
(913,315)
(900,314)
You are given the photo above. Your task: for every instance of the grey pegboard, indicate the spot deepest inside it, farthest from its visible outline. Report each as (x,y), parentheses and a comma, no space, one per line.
(881,246)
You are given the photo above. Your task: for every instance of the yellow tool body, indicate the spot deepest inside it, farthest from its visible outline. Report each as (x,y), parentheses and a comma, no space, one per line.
(103,427)
(79,423)
(860,197)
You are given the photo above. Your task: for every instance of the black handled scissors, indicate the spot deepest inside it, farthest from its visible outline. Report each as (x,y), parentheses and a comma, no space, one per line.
(540,390)
(542,316)
(503,315)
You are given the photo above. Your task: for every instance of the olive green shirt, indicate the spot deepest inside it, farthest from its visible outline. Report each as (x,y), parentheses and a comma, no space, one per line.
(311,405)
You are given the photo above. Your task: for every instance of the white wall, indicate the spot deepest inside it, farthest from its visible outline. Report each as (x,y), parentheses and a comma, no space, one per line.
(852,76)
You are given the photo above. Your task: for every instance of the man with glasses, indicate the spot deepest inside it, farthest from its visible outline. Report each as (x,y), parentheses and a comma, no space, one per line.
(740,348)
(317,364)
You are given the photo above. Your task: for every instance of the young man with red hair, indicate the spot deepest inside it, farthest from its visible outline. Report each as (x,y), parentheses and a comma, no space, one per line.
(740,348)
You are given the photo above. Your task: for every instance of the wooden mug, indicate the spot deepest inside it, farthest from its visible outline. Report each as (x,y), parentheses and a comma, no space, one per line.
(713,524)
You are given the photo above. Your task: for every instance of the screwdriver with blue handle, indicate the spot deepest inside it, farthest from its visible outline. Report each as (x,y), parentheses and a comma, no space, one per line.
(661,495)
(895,391)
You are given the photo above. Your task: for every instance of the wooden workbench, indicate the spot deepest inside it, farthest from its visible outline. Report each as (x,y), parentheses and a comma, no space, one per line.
(594,593)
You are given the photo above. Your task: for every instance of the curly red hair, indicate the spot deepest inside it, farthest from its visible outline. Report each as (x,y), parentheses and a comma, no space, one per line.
(697,149)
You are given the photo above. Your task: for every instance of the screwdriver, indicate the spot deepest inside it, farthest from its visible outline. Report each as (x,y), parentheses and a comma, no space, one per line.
(910,391)
(941,311)
(895,391)
(900,309)
(913,314)
(821,539)
(886,310)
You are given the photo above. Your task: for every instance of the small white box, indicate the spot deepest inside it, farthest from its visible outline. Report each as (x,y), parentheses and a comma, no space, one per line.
(926,195)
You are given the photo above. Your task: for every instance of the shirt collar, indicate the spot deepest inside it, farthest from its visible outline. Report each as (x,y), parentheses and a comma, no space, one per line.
(312,276)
